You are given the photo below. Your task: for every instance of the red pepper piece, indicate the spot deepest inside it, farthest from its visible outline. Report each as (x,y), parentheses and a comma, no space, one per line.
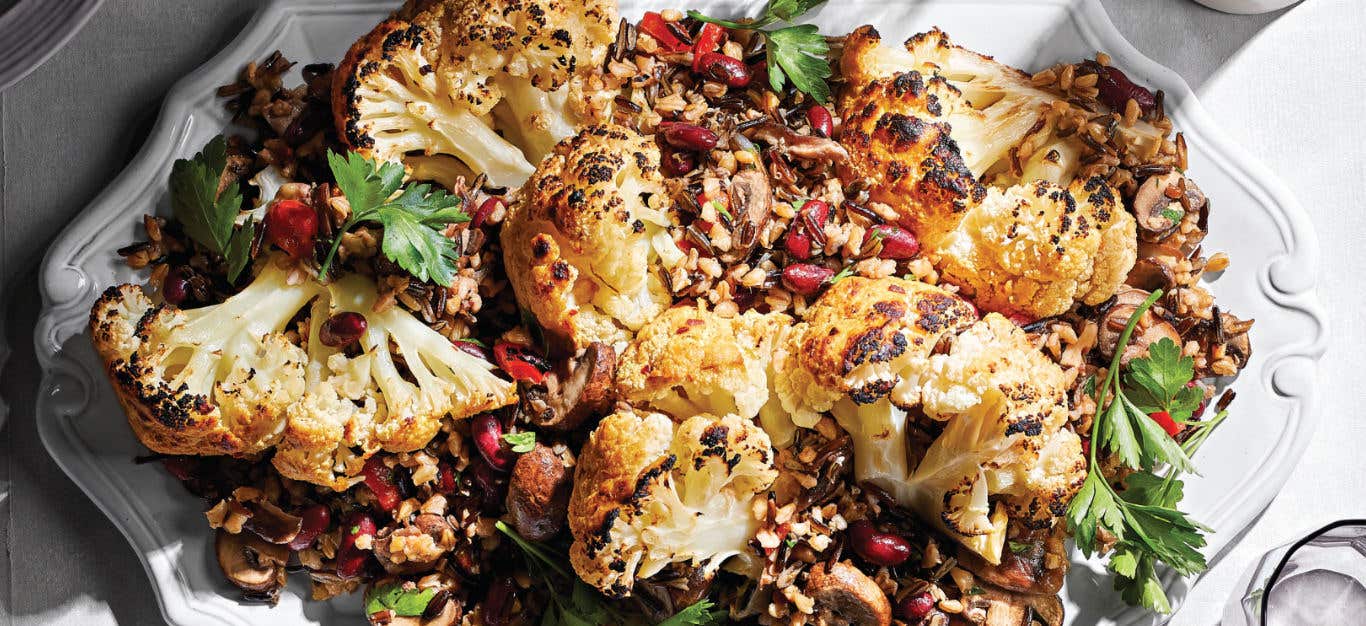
(292,226)
(1164,419)
(380,479)
(708,40)
(520,362)
(653,24)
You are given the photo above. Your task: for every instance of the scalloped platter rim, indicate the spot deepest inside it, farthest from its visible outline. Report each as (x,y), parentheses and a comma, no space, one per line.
(1269,237)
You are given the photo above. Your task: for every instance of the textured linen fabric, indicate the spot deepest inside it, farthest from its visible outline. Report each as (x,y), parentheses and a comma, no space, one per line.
(1282,85)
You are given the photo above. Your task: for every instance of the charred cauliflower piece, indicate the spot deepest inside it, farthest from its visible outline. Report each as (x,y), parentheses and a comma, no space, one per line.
(586,239)
(691,360)
(871,351)
(466,86)
(1036,248)
(932,121)
(224,379)
(649,492)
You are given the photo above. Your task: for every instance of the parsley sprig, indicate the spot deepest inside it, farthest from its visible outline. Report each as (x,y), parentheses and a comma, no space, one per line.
(1147,527)
(414,217)
(583,605)
(797,53)
(208,215)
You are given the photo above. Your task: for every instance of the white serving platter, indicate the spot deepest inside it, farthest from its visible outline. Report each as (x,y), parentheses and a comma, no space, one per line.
(1257,221)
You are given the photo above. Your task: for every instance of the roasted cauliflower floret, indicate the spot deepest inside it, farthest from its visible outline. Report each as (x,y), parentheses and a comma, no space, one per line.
(393,395)
(872,351)
(1004,126)
(473,86)
(1036,248)
(586,240)
(212,380)
(691,360)
(649,492)
(916,133)
(224,379)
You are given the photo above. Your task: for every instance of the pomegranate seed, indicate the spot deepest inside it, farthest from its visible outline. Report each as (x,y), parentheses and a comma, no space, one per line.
(897,242)
(688,136)
(175,288)
(916,606)
(1164,419)
(488,437)
(445,478)
(805,278)
(1116,90)
(316,520)
(352,561)
(292,225)
(820,120)
(486,208)
(342,329)
(677,162)
(878,548)
(473,349)
(520,362)
(379,477)
(797,242)
(724,69)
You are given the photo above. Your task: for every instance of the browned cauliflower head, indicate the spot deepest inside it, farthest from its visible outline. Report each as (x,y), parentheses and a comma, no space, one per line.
(457,86)
(586,240)
(691,360)
(874,353)
(649,492)
(224,379)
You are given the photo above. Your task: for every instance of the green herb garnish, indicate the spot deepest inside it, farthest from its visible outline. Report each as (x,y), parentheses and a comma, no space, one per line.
(413,217)
(845,272)
(1144,521)
(1172,214)
(393,597)
(524,441)
(797,53)
(1017,547)
(700,613)
(210,217)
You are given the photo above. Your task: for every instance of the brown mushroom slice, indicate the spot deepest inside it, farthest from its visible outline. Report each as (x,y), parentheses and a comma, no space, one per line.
(1150,274)
(1236,341)
(672,590)
(252,564)
(1024,570)
(575,390)
(797,145)
(444,609)
(751,197)
(538,494)
(1004,608)
(1151,202)
(271,523)
(844,595)
(1117,317)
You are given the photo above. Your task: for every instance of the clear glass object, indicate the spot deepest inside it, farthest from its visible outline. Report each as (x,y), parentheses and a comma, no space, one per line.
(1319,580)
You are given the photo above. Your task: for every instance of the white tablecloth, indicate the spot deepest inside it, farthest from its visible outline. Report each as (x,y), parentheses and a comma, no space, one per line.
(1289,87)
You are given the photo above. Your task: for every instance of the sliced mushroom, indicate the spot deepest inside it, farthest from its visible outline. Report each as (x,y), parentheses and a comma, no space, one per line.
(795,144)
(1024,570)
(1004,608)
(252,565)
(1151,202)
(1150,274)
(1236,341)
(444,609)
(412,561)
(751,197)
(1117,317)
(271,523)
(844,595)
(538,494)
(572,392)
(672,590)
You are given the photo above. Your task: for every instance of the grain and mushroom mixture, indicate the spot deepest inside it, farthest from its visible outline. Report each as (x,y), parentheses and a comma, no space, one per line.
(525,312)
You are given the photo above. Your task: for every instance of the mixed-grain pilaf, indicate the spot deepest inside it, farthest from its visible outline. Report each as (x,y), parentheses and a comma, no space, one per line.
(764,222)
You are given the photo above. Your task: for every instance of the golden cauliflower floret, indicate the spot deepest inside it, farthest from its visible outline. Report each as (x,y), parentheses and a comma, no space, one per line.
(649,492)
(691,360)
(897,142)
(224,379)
(861,340)
(458,87)
(585,242)
(1036,248)
(1004,408)
(214,380)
